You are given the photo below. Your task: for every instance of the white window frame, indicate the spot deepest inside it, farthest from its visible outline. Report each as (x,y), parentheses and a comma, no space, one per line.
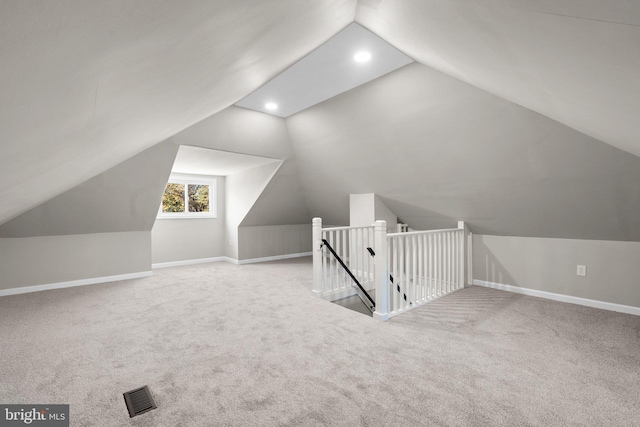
(198,180)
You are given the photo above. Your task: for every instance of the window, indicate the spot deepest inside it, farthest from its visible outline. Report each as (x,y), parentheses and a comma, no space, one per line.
(189,197)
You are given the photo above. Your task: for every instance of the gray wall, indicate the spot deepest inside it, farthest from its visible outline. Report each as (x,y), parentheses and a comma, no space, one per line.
(281,202)
(433,148)
(274,240)
(98,229)
(267,195)
(365,209)
(190,238)
(437,150)
(243,189)
(574,61)
(548,264)
(124,198)
(383,212)
(44,260)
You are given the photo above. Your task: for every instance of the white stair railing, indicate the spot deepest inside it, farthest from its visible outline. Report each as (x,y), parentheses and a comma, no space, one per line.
(424,265)
(403,228)
(331,280)
(409,269)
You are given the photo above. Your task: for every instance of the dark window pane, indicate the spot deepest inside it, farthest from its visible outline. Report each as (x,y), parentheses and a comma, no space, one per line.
(173,198)
(198,198)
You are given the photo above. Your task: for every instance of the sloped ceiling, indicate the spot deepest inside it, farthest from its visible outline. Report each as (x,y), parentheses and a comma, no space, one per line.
(258,134)
(123,198)
(204,161)
(575,61)
(437,150)
(86,84)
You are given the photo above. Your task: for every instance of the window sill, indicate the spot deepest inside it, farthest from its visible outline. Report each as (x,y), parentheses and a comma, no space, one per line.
(183,216)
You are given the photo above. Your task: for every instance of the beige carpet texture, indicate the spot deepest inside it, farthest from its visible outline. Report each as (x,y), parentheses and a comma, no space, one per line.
(227,345)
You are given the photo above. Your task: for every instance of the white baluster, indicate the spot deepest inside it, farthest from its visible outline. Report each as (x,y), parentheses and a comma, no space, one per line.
(316,238)
(414,267)
(449,263)
(382,273)
(396,276)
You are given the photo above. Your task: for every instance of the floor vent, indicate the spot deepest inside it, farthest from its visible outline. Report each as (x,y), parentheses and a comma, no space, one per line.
(139,401)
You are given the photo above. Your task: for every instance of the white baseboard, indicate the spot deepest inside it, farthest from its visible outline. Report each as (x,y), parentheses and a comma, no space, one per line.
(271,258)
(97,280)
(228,259)
(562,298)
(190,262)
(73,283)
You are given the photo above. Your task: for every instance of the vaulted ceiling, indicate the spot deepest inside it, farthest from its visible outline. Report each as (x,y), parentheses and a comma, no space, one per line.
(87,84)
(574,61)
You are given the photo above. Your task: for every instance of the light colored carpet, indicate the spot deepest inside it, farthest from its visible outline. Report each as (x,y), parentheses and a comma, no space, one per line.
(221,344)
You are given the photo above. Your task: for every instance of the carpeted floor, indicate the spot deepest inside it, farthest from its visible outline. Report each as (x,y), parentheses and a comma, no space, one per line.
(221,344)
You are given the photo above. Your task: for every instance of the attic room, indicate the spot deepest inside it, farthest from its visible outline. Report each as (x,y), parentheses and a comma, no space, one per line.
(517,118)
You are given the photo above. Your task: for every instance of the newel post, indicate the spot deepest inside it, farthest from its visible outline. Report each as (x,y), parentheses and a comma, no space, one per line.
(465,255)
(316,241)
(381,273)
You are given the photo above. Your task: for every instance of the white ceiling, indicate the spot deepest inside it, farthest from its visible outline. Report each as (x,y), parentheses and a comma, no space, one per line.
(326,72)
(575,61)
(203,161)
(456,152)
(87,84)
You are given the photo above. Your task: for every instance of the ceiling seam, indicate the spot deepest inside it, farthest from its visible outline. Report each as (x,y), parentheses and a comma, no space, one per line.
(576,17)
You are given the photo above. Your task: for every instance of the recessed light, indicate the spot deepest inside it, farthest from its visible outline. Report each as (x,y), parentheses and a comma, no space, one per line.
(271,106)
(362,56)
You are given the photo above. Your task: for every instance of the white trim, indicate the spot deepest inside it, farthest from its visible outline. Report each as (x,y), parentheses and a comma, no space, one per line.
(191,215)
(416,233)
(74,283)
(189,262)
(228,259)
(271,258)
(380,317)
(562,298)
(347,227)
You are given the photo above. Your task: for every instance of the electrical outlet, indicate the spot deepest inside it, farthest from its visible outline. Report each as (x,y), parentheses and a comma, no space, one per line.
(582,270)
